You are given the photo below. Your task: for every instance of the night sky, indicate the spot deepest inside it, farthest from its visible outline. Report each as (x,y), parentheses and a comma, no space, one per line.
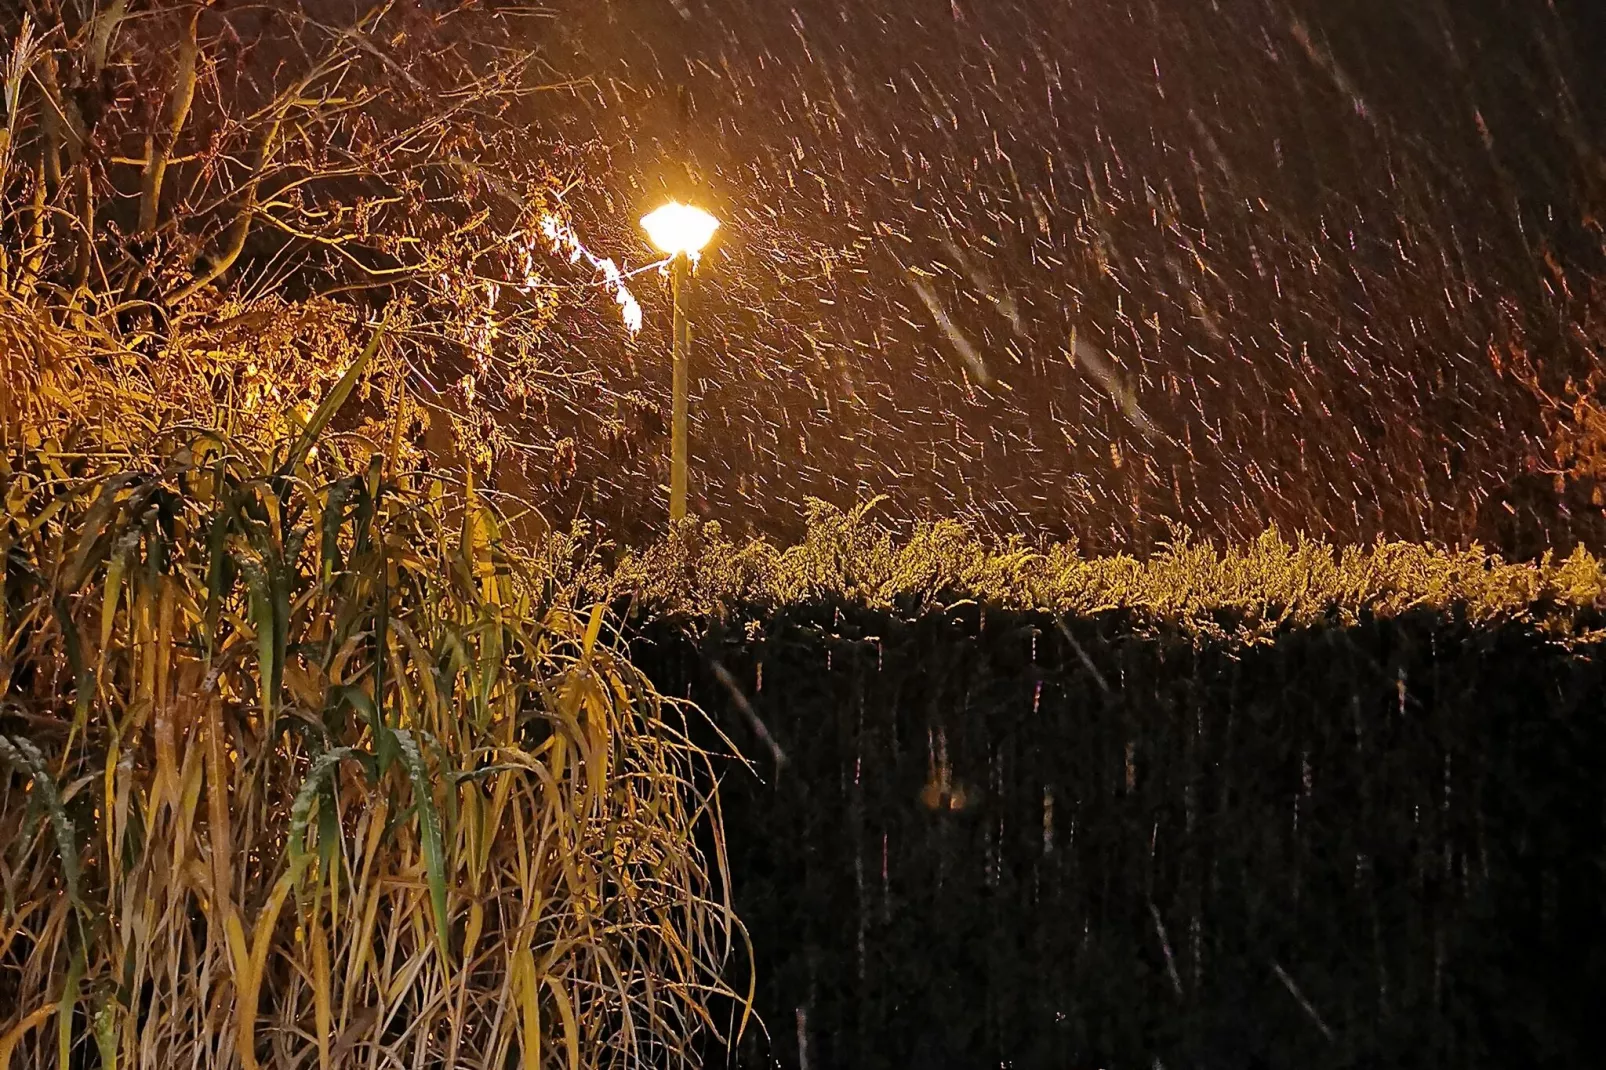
(1091,268)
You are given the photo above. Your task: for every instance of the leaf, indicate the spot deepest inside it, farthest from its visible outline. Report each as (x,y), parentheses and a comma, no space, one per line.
(383,735)
(64,1009)
(301,809)
(219,575)
(105,1027)
(21,753)
(114,587)
(571,1028)
(331,404)
(323,1016)
(478,538)
(430,833)
(240,963)
(398,422)
(264,618)
(527,995)
(334,515)
(56,504)
(91,546)
(329,823)
(593,629)
(83,674)
(13,1037)
(219,824)
(249,983)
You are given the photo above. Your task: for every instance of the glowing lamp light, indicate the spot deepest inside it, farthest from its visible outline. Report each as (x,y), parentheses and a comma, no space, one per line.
(679,228)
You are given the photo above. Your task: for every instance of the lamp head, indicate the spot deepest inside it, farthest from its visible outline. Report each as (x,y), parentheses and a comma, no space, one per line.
(679,228)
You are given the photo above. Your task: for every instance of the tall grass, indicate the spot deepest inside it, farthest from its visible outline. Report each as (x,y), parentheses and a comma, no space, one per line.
(307,770)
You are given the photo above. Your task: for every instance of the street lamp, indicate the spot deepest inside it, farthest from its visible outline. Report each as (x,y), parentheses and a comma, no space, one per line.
(680,231)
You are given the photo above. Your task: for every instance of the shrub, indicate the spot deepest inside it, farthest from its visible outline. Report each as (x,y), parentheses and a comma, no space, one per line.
(848,558)
(1279,804)
(298,770)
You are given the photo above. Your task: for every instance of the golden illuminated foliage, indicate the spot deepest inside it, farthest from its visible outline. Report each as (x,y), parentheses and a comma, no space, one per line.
(204,206)
(848,557)
(299,767)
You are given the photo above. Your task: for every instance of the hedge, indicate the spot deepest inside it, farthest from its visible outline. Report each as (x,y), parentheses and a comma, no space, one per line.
(1283,805)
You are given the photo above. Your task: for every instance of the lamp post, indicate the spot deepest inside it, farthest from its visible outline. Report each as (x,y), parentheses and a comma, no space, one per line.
(680,231)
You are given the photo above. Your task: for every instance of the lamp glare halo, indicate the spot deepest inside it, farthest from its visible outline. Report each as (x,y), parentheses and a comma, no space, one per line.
(679,228)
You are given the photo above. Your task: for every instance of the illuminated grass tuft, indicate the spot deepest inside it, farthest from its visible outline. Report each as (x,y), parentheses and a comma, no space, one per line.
(304,770)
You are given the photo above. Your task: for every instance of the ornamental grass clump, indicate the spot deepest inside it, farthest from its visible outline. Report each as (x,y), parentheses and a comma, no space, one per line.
(302,768)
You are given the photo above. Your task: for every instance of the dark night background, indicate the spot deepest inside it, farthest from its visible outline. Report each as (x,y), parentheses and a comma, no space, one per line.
(1320,261)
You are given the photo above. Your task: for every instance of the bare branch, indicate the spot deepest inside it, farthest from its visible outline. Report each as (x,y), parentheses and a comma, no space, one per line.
(242,224)
(160,145)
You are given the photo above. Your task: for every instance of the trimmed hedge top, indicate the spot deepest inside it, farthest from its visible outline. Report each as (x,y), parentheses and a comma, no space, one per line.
(851,558)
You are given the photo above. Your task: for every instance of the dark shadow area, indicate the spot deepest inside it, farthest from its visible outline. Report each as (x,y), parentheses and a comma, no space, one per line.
(995,841)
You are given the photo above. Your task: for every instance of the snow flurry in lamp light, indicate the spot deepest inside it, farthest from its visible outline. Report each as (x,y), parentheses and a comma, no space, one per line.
(680,231)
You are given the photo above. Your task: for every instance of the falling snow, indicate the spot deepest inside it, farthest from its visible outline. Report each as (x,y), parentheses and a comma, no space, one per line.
(1097,268)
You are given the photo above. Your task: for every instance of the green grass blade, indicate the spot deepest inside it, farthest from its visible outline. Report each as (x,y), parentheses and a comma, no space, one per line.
(430,832)
(331,405)
(24,755)
(105,1026)
(323,767)
(66,1007)
(93,540)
